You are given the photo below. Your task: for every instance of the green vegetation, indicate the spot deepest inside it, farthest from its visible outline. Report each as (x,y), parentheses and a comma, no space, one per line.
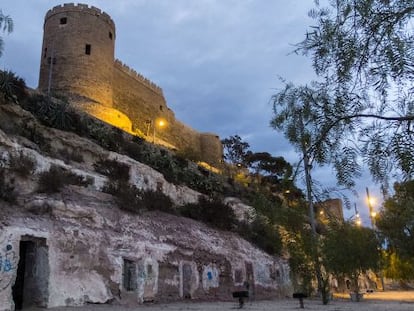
(349,250)
(211,211)
(22,164)
(12,87)
(396,224)
(53,180)
(7,187)
(6,25)
(360,108)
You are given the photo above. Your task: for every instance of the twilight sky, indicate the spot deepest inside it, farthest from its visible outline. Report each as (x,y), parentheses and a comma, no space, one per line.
(217,61)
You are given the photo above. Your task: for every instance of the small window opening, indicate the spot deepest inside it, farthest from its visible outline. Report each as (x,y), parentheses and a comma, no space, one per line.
(238,276)
(49,60)
(129,279)
(149,271)
(45,53)
(110,35)
(160,108)
(63,20)
(88,49)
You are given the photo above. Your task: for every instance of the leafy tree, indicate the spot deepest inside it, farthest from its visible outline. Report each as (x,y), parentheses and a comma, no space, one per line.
(235,150)
(396,223)
(362,52)
(265,164)
(6,25)
(349,251)
(295,117)
(397,268)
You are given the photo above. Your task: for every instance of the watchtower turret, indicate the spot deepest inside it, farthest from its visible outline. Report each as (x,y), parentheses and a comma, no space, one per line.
(78,52)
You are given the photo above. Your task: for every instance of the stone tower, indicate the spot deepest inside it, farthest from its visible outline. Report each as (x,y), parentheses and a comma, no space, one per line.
(78,52)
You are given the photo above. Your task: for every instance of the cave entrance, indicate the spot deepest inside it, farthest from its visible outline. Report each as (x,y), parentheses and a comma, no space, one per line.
(187,274)
(31,288)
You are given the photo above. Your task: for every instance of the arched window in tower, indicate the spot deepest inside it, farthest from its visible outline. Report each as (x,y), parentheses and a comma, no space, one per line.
(110,35)
(88,49)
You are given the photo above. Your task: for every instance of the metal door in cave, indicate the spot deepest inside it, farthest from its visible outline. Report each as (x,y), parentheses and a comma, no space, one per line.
(148,277)
(31,287)
(187,274)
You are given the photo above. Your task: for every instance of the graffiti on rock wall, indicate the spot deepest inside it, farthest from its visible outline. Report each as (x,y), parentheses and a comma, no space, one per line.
(210,276)
(148,271)
(8,263)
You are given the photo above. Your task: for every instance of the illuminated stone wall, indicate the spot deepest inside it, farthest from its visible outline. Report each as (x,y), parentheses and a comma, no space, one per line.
(131,101)
(66,65)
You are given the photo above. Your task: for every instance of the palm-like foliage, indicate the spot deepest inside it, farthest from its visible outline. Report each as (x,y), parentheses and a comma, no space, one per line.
(6,25)
(12,87)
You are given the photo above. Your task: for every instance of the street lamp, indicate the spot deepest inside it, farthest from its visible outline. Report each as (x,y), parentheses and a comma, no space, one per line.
(160,123)
(372,213)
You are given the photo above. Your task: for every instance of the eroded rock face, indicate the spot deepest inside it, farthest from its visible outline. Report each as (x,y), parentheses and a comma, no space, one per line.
(97,254)
(77,246)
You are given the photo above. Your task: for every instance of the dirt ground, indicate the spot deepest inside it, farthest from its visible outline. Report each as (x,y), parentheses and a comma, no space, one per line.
(378,301)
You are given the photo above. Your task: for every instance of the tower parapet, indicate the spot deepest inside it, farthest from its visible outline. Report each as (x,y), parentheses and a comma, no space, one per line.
(137,76)
(78,52)
(80,8)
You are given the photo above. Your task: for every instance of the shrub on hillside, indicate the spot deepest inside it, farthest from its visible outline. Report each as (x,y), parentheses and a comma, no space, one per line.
(157,200)
(132,199)
(69,155)
(212,212)
(23,165)
(128,196)
(262,234)
(56,178)
(113,169)
(7,188)
(12,87)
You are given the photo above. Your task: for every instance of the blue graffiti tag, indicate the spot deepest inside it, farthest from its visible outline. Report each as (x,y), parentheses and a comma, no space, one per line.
(7,266)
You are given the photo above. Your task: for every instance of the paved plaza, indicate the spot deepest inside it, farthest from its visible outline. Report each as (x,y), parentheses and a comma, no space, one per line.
(380,301)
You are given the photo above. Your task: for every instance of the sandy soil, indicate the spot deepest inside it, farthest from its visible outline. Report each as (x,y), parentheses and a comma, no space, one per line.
(380,301)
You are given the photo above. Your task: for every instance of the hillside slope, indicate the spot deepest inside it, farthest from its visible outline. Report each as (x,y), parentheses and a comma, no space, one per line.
(76,246)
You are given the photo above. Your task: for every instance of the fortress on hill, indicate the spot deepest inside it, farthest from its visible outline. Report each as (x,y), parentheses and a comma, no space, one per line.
(78,60)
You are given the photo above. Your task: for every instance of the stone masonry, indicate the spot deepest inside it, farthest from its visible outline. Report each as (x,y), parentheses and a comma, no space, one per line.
(78,60)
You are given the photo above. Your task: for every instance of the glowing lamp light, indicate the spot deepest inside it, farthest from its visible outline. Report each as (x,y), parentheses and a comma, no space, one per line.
(371,201)
(161,123)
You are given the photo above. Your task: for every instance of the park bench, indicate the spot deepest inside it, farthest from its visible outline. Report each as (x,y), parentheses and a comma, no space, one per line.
(241,295)
(300,296)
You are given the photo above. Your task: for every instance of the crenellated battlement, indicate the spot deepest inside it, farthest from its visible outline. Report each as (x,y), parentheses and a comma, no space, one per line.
(134,74)
(72,7)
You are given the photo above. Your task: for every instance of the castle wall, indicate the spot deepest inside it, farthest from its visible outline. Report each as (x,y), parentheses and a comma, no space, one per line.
(144,102)
(66,63)
(78,59)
